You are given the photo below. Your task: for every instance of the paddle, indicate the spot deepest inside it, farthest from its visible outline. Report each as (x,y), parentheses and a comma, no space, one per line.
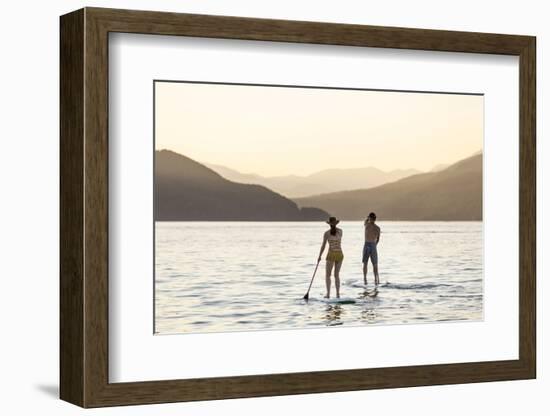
(306,296)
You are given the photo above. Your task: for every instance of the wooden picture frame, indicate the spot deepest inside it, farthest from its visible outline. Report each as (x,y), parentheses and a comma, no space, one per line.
(84,207)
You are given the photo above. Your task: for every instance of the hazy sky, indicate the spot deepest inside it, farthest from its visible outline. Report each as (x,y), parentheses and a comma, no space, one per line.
(280,131)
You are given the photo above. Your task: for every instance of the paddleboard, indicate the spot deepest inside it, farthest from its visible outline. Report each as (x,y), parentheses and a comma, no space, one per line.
(360,285)
(340,301)
(355,283)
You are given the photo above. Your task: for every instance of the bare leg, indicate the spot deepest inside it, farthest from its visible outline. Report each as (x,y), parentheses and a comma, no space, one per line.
(327,279)
(365,267)
(376,278)
(337,278)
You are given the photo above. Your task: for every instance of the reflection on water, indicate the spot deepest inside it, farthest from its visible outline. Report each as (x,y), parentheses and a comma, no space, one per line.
(229,276)
(333,313)
(368,315)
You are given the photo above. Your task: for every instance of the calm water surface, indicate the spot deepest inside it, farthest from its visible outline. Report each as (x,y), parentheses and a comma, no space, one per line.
(236,276)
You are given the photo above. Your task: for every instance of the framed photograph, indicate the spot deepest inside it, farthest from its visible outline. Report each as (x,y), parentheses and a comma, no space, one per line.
(254,207)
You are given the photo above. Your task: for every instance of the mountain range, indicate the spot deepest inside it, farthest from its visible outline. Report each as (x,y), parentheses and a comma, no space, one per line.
(325,181)
(452,193)
(186,190)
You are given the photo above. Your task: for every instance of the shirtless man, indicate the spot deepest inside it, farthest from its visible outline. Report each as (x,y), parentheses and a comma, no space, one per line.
(372,237)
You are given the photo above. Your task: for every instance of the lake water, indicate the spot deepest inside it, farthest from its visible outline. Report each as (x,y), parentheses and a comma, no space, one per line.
(238,276)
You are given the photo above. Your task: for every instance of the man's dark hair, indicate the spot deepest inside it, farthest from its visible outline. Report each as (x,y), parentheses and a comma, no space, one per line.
(372,216)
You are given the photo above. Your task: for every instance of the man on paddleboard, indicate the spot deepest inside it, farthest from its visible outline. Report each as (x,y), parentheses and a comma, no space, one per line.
(372,237)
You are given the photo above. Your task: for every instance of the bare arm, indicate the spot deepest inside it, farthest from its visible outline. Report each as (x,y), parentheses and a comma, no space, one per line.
(325,236)
(378,238)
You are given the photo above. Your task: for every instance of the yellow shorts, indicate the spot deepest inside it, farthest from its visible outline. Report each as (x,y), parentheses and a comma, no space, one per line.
(335,256)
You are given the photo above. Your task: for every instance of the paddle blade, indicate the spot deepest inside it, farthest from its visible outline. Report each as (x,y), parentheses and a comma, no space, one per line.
(306,296)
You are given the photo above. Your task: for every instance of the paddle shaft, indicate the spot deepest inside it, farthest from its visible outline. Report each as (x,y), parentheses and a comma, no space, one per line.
(312,277)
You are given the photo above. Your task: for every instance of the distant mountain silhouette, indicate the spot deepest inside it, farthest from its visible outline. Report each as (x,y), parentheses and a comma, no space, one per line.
(330,180)
(185,190)
(439,167)
(454,193)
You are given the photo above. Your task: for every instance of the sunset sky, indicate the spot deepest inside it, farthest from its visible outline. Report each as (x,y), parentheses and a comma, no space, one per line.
(280,131)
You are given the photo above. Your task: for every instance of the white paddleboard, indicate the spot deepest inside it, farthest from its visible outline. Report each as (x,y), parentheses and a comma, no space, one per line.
(341,301)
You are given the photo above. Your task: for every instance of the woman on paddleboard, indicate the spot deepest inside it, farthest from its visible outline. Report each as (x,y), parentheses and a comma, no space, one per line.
(335,256)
